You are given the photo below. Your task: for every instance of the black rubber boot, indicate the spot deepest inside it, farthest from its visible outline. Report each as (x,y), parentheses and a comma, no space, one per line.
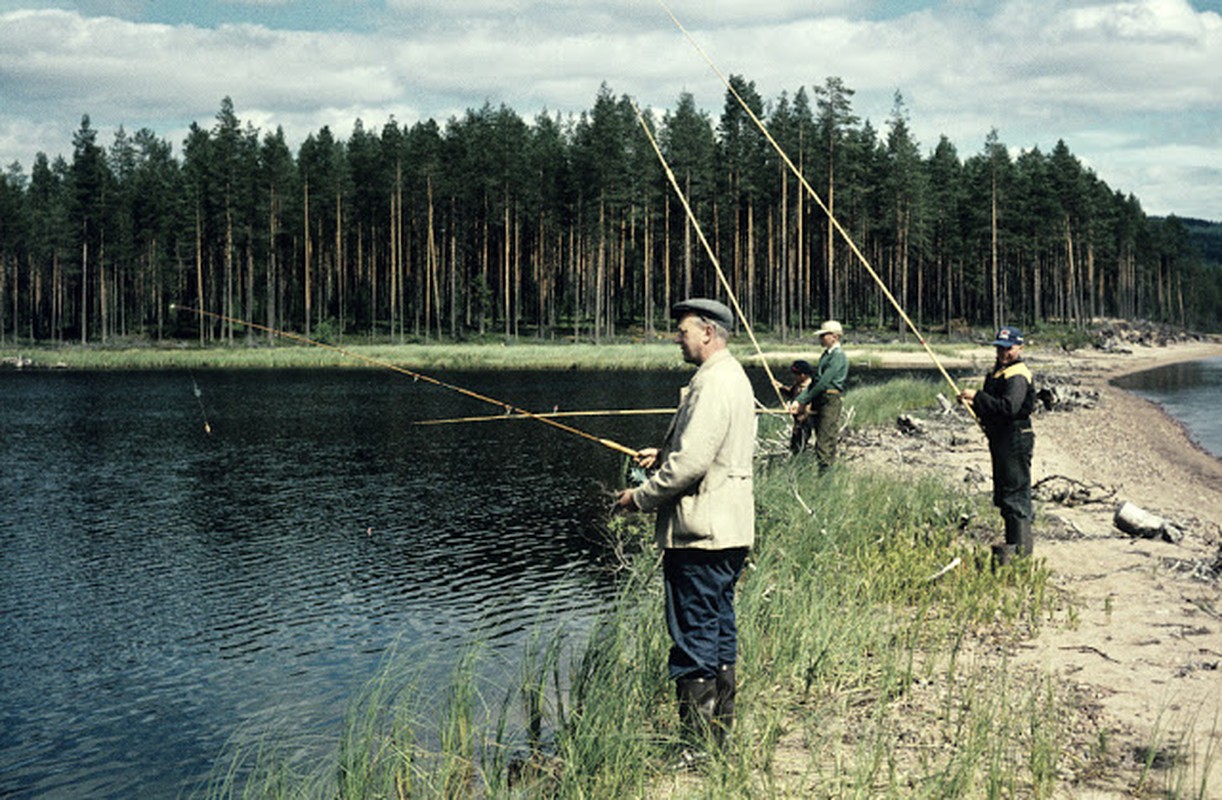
(723,710)
(1018,536)
(1026,540)
(697,700)
(1003,554)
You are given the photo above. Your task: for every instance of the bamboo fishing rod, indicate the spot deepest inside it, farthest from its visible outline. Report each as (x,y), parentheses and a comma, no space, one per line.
(618,412)
(623,412)
(818,200)
(721,276)
(417,376)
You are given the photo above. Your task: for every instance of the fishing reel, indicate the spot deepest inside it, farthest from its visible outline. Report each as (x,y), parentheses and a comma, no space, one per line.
(634,474)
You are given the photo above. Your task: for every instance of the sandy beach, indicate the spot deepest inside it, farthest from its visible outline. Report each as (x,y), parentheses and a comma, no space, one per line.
(1144,650)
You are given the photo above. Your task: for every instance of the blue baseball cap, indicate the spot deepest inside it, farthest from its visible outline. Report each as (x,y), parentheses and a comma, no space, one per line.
(1008,336)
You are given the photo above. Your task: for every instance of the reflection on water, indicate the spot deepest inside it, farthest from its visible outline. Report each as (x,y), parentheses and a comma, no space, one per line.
(1189,392)
(162,587)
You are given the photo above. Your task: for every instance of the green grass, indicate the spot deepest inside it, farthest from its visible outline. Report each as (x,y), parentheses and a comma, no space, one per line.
(860,676)
(881,403)
(658,352)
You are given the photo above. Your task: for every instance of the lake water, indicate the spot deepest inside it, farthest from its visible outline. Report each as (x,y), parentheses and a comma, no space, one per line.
(162,587)
(1189,392)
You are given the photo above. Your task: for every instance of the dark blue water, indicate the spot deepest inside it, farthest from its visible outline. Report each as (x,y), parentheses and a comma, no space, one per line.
(1189,392)
(165,591)
(162,588)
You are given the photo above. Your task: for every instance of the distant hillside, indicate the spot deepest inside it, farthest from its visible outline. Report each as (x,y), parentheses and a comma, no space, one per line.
(1207,236)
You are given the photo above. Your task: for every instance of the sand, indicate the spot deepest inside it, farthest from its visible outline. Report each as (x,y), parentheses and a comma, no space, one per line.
(1146,641)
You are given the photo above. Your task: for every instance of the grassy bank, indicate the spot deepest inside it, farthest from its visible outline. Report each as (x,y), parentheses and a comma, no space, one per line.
(862,674)
(625,353)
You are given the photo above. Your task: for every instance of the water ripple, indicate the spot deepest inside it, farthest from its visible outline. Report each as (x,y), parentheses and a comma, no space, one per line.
(162,588)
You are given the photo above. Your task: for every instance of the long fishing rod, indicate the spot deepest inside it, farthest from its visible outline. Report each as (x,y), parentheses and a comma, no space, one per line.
(622,412)
(721,276)
(818,200)
(617,412)
(418,376)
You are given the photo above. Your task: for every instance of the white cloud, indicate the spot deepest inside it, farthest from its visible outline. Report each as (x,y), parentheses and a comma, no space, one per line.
(1037,70)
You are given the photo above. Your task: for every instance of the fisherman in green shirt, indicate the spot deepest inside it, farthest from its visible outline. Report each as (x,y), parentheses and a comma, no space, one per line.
(818,406)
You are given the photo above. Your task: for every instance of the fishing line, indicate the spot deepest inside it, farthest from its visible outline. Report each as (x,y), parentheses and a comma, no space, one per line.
(508,408)
(199,397)
(818,200)
(721,276)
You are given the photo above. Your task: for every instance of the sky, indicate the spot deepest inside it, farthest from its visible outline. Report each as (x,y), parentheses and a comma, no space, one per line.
(1133,87)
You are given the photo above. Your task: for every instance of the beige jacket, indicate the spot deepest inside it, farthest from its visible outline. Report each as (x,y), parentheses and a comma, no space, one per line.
(703,491)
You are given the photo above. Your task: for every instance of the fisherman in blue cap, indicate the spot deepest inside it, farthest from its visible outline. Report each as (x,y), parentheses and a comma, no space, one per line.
(1004,408)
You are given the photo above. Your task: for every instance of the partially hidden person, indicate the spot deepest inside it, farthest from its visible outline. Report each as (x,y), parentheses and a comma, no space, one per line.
(702,490)
(1004,409)
(801,372)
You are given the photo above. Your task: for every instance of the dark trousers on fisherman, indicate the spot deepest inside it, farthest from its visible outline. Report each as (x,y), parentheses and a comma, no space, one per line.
(825,418)
(700,617)
(1010,449)
(800,436)
(700,609)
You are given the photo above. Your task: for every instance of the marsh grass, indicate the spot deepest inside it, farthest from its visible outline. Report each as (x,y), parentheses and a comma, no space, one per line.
(859,675)
(658,353)
(880,403)
(420,357)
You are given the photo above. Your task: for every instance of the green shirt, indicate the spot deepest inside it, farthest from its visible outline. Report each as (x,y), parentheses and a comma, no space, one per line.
(830,373)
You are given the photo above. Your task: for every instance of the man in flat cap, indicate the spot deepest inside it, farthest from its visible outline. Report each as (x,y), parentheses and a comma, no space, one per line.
(702,492)
(819,405)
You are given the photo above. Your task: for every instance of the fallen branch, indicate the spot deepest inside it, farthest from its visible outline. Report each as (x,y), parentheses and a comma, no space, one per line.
(1085,648)
(1071,492)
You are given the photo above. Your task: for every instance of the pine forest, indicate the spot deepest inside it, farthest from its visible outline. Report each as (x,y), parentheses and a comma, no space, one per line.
(492,225)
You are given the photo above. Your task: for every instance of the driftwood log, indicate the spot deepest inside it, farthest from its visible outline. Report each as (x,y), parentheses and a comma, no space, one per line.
(1136,521)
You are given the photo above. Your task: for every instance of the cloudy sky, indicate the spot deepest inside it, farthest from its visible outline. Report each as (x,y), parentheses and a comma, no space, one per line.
(1134,87)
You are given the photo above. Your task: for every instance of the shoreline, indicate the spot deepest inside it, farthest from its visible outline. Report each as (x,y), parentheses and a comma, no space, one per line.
(1134,654)
(1146,643)
(1162,357)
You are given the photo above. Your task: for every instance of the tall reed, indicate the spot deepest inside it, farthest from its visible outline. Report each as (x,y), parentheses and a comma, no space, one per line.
(861,673)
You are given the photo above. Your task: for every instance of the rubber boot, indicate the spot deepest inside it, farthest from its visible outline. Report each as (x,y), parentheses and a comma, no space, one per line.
(697,700)
(723,710)
(1026,540)
(1018,536)
(1003,554)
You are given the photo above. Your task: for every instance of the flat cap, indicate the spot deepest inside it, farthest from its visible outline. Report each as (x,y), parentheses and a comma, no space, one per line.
(711,310)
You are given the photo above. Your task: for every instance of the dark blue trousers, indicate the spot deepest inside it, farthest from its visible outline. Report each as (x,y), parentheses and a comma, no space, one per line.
(1011,451)
(700,609)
